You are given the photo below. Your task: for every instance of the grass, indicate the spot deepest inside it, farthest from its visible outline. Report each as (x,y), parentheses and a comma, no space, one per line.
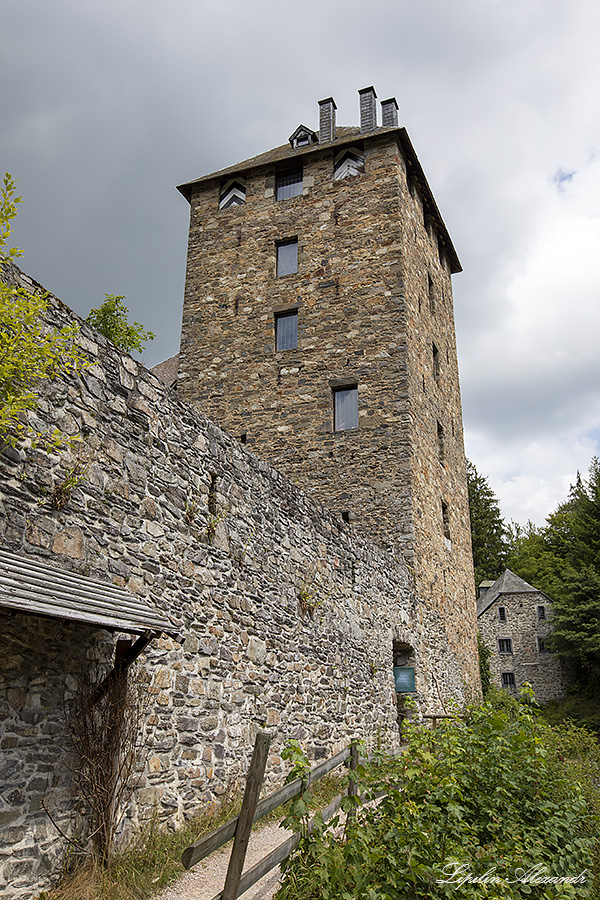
(154,861)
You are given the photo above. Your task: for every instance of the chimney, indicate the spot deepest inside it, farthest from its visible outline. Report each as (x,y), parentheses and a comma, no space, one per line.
(389,113)
(368,109)
(327,110)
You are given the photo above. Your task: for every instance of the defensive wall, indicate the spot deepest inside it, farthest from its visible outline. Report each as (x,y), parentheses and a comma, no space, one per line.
(287,615)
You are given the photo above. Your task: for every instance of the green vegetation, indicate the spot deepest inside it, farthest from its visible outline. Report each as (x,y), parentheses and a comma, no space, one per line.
(485,672)
(30,352)
(498,794)
(111,320)
(489,534)
(563,559)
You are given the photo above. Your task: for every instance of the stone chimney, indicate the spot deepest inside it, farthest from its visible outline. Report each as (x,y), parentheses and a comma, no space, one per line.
(368,109)
(327,110)
(389,113)
(484,588)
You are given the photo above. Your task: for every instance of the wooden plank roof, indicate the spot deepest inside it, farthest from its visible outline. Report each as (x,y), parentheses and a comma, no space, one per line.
(28,586)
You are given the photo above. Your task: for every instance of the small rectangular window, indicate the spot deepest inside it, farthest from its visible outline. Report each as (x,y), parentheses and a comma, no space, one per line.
(505,645)
(289,184)
(287,258)
(508,680)
(286,331)
(502,614)
(431,292)
(542,647)
(541,613)
(446,524)
(345,408)
(440,437)
(436,362)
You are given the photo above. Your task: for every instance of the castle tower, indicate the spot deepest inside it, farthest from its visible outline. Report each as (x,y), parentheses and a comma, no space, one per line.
(318,326)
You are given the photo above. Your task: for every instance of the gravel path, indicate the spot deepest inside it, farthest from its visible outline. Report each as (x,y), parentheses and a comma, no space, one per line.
(207,878)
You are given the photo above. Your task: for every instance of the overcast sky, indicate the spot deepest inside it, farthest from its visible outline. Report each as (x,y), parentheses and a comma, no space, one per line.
(106,106)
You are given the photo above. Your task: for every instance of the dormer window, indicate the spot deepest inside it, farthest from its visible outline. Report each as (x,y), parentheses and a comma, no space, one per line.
(303,137)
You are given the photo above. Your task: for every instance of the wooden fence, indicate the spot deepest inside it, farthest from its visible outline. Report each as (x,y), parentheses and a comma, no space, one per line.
(240,826)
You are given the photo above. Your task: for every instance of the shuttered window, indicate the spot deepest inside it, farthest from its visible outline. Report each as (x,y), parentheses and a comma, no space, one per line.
(289,184)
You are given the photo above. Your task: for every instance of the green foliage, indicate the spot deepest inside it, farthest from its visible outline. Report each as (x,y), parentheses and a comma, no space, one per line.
(563,559)
(496,794)
(30,351)
(111,320)
(489,534)
(485,672)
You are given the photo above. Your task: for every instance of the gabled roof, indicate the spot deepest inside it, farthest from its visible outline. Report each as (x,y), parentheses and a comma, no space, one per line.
(30,587)
(508,583)
(344,135)
(167,370)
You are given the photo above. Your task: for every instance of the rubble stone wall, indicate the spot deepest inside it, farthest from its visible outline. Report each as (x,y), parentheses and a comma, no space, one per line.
(286,614)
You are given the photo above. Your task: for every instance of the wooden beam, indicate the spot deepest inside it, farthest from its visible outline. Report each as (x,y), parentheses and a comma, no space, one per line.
(254,782)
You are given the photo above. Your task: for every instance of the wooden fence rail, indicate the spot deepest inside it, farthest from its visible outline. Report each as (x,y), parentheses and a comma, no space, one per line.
(240,826)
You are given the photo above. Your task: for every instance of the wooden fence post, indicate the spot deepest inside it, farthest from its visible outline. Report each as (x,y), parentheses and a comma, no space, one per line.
(244,826)
(352,788)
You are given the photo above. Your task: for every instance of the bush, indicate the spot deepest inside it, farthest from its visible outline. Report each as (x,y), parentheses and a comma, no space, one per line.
(498,796)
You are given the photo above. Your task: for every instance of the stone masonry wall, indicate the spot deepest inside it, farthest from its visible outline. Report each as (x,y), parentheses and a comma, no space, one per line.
(548,674)
(287,615)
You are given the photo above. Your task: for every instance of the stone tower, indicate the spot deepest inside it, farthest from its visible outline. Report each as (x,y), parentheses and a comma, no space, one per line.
(318,326)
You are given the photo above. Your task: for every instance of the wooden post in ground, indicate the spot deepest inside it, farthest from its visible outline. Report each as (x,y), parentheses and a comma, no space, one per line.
(254,782)
(352,788)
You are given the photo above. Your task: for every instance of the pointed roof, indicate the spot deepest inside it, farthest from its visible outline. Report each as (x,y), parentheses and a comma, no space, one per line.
(508,583)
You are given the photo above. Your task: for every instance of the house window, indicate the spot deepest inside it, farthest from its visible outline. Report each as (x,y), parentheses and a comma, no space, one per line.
(287,258)
(502,614)
(232,193)
(508,680)
(345,408)
(348,163)
(289,183)
(505,645)
(542,647)
(541,613)
(286,330)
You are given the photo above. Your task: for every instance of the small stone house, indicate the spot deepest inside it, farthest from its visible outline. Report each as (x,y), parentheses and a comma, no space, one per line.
(515,621)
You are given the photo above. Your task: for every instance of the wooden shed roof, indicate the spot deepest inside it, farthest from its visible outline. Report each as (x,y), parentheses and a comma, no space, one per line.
(34,588)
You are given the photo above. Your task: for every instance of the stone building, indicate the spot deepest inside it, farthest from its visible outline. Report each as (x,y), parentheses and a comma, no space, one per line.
(515,621)
(318,328)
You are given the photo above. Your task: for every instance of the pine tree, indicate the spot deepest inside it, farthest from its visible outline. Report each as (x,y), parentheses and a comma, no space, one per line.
(489,534)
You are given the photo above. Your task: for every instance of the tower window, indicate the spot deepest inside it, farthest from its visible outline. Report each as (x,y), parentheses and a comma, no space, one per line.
(505,645)
(440,437)
(287,258)
(446,524)
(348,163)
(542,647)
(289,184)
(286,330)
(232,193)
(345,408)
(431,292)
(436,362)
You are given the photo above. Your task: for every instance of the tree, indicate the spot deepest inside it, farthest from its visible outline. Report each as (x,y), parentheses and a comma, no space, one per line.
(489,534)
(111,320)
(30,351)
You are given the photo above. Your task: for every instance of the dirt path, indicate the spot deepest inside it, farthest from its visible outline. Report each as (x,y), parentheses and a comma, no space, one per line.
(207,878)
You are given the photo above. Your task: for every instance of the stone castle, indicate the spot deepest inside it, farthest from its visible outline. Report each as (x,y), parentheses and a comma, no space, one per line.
(296,509)
(318,327)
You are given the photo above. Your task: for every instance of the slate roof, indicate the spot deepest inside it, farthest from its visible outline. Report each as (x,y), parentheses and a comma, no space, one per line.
(344,136)
(34,588)
(167,370)
(508,583)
